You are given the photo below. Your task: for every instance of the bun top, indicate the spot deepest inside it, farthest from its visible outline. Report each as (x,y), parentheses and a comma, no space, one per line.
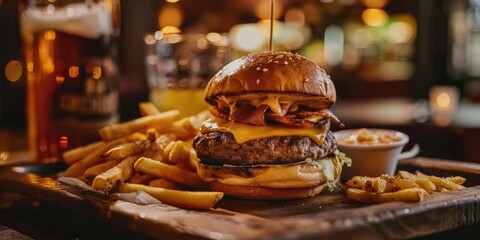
(273,72)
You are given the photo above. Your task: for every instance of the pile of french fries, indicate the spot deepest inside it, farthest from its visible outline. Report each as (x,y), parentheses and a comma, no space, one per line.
(405,186)
(152,153)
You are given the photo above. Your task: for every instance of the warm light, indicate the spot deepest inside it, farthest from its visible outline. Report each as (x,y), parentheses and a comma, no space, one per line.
(262,9)
(214,37)
(30,66)
(59,80)
(63,142)
(361,37)
(50,9)
(97,72)
(172,1)
(173,38)
(247,37)
(375,3)
(4,155)
(443,100)
(45,50)
(49,35)
(13,70)
(70,12)
(149,39)
(170,30)
(158,35)
(171,15)
(374,17)
(202,43)
(314,51)
(295,17)
(264,25)
(399,32)
(73,71)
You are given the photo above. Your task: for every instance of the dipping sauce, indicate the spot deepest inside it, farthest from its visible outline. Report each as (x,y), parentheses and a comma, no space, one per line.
(366,137)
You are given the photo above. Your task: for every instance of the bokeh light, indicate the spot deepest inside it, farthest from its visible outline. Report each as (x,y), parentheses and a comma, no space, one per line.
(375,3)
(13,70)
(170,15)
(247,37)
(374,17)
(262,9)
(295,17)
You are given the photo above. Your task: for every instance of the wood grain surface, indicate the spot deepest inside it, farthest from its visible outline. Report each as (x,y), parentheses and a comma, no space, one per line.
(327,215)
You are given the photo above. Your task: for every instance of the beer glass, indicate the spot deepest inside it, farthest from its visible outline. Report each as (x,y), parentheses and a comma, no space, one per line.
(179,66)
(70,72)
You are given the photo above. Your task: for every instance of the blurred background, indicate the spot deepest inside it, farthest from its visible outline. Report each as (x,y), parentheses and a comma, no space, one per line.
(384,56)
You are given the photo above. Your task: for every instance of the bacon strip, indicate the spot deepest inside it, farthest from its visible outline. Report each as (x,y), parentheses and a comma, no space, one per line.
(249,114)
(259,116)
(326,113)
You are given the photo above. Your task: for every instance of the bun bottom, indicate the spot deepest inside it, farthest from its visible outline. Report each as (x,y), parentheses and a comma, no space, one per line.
(260,193)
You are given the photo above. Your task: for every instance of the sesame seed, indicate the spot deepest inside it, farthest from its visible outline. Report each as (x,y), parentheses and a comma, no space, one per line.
(259,68)
(306,80)
(285,62)
(258,81)
(275,61)
(265,69)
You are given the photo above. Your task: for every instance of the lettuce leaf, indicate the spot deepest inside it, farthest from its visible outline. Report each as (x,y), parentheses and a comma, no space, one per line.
(327,167)
(343,158)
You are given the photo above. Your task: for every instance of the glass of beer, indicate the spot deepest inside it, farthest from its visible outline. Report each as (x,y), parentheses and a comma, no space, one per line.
(71,74)
(179,66)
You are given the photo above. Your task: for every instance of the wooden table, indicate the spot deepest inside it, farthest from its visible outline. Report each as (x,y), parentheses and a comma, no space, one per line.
(58,211)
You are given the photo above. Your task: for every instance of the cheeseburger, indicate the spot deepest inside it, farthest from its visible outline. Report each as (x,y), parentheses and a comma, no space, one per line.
(271,137)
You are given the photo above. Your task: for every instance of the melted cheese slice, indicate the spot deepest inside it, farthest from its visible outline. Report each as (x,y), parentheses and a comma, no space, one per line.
(292,176)
(243,132)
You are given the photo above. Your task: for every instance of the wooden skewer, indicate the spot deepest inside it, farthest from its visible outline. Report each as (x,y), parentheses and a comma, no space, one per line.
(271,24)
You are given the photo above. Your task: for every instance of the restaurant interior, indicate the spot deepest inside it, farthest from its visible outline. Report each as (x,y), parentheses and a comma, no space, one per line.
(384,57)
(405,65)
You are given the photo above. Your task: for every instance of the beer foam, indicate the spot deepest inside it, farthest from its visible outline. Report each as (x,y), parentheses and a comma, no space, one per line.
(89,21)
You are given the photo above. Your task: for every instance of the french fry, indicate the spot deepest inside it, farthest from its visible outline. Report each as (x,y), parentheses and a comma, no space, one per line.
(135,137)
(92,159)
(179,153)
(156,150)
(165,183)
(378,185)
(444,183)
(126,149)
(456,179)
(152,134)
(96,170)
(420,174)
(184,129)
(183,199)
(141,178)
(424,183)
(74,155)
(401,183)
(160,121)
(358,182)
(148,108)
(109,180)
(405,195)
(406,175)
(169,172)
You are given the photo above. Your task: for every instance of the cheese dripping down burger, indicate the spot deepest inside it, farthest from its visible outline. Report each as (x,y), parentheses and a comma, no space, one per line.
(271,137)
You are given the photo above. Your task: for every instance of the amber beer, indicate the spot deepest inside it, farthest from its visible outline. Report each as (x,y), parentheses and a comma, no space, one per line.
(71,85)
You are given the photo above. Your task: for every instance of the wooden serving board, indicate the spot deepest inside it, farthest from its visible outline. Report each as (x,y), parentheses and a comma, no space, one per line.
(328,215)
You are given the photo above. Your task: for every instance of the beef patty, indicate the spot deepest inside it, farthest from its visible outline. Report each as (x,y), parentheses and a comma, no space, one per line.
(221,148)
